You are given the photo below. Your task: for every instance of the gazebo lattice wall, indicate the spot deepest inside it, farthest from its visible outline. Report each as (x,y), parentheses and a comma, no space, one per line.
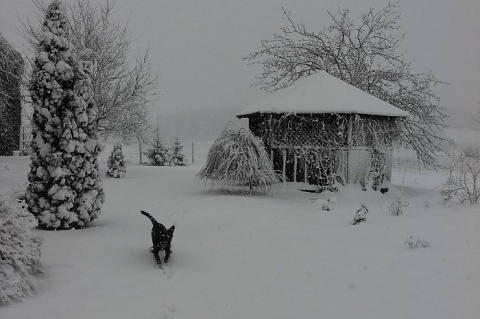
(320,149)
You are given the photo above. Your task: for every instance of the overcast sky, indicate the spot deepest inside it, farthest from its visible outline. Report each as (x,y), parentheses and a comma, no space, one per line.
(197,46)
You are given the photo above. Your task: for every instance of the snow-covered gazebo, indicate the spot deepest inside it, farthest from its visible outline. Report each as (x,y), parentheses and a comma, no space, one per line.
(320,130)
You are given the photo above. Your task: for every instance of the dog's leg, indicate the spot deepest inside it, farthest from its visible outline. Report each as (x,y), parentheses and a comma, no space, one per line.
(155,251)
(167,255)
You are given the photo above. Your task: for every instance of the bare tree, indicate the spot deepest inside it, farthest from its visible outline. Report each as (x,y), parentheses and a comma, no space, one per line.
(10,66)
(11,70)
(364,53)
(122,87)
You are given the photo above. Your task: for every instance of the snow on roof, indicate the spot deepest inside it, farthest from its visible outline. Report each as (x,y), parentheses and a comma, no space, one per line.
(322,93)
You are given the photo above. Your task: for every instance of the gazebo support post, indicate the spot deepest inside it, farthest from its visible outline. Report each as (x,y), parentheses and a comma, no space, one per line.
(349,146)
(305,171)
(295,167)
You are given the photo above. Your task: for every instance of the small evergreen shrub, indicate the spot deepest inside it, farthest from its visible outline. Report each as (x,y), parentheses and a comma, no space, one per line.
(19,251)
(158,154)
(361,214)
(176,154)
(116,163)
(330,204)
(397,205)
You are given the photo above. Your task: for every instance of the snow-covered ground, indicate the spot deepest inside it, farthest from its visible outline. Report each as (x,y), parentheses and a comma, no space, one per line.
(240,256)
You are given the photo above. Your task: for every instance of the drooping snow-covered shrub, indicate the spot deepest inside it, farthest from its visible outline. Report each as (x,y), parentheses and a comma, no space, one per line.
(116,163)
(64,190)
(19,252)
(176,154)
(238,158)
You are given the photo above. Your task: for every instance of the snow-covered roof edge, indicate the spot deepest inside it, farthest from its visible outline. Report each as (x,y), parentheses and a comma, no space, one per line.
(322,93)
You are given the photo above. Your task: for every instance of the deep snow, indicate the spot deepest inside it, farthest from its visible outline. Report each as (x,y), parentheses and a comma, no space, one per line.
(240,256)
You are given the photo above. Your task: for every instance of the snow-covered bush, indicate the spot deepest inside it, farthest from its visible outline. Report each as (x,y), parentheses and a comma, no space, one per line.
(158,154)
(238,158)
(19,251)
(414,242)
(176,154)
(65,190)
(116,163)
(463,183)
(361,214)
(397,205)
(330,204)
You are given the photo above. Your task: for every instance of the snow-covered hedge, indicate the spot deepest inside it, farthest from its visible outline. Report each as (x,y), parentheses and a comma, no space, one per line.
(19,251)
(116,163)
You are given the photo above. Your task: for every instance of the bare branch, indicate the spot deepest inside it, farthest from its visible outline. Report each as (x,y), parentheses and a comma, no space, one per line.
(123,87)
(364,53)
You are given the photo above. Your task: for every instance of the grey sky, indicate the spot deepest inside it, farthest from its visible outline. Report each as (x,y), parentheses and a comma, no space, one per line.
(197,45)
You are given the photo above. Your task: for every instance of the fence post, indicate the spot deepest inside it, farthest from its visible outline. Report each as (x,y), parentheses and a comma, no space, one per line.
(140,150)
(193,153)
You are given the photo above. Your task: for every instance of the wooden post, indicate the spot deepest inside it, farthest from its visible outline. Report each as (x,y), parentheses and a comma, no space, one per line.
(305,172)
(284,168)
(140,150)
(294,166)
(348,176)
(350,131)
(193,153)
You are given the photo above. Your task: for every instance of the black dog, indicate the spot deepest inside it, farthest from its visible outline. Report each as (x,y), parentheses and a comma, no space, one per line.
(161,238)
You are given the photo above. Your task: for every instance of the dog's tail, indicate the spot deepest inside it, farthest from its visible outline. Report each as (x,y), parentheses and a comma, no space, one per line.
(154,221)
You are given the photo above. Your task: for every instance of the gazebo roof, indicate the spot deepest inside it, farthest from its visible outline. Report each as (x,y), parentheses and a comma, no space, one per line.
(322,93)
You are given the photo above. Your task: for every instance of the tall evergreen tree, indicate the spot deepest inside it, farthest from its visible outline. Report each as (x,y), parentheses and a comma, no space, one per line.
(11,70)
(65,190)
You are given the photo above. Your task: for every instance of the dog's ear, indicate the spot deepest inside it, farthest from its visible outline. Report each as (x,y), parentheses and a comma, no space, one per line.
(171,230)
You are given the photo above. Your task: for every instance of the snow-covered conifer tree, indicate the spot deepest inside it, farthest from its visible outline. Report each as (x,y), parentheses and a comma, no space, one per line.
(116,163)
(158,154)
(65,190)
(176,154)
